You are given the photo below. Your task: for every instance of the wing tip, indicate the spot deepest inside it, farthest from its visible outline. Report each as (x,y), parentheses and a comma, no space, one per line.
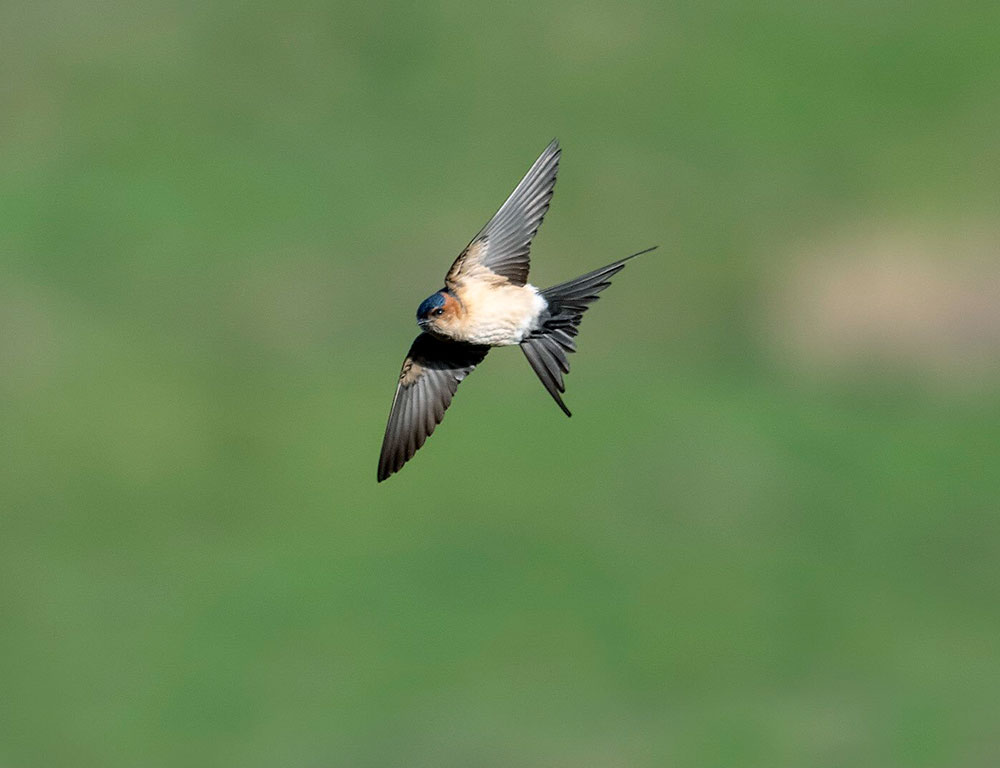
(385,469)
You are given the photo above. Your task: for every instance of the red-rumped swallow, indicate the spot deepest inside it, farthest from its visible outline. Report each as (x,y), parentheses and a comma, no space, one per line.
(488,302)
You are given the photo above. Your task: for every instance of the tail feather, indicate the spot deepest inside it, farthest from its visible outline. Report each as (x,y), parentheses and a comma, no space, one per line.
(551,381)
(546,347)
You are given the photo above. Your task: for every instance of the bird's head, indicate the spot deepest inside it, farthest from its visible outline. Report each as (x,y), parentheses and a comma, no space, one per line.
(438,312)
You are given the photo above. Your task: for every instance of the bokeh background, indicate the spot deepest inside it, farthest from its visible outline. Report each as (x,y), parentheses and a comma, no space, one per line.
(768,537)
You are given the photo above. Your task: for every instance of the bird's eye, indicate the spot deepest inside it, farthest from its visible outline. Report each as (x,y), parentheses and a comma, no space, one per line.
(439,311)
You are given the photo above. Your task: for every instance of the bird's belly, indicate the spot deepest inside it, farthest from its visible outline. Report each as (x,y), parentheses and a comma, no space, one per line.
(501,316)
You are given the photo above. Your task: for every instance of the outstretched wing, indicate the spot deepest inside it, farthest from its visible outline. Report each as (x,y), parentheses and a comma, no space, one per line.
(499,253)
(430,375)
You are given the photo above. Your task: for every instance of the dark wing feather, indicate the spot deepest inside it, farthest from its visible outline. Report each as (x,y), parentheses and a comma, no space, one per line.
(430,375)
(501,249)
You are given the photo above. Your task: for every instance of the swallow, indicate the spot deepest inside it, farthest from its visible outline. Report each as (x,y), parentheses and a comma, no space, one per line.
(487,302)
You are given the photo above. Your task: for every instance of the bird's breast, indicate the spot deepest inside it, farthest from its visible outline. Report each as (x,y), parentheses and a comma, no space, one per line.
(498,315)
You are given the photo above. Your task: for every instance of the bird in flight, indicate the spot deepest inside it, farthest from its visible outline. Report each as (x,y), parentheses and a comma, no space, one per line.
(487,302)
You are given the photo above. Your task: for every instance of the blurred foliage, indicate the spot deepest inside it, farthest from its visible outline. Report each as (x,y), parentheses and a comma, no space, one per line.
(216,221)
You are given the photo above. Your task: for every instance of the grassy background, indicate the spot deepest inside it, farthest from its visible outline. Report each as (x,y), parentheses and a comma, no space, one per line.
(216,222)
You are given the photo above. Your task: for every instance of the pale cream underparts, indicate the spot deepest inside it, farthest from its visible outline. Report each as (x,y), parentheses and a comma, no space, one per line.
(497,315)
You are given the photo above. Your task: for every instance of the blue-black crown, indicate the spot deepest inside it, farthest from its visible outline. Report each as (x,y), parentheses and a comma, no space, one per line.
(429,304)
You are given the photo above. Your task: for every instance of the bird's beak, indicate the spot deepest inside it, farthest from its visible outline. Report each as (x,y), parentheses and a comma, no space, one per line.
(424,324)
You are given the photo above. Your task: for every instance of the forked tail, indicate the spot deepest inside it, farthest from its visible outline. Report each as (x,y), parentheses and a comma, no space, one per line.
(547,346)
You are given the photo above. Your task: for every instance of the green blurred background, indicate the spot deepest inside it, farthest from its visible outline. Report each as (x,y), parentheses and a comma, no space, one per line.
(769,535)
